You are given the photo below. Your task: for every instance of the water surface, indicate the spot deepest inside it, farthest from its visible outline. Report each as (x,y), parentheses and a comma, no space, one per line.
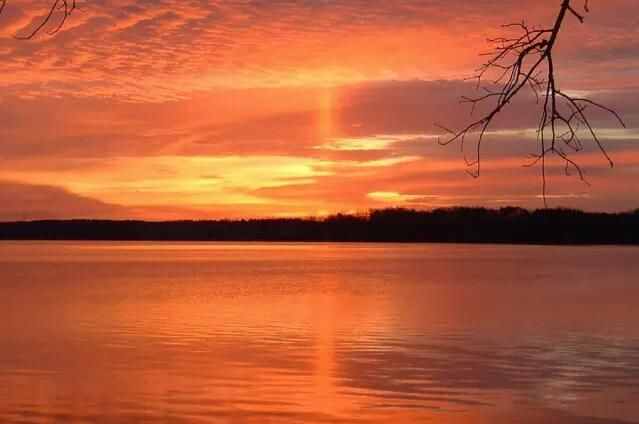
(317,333)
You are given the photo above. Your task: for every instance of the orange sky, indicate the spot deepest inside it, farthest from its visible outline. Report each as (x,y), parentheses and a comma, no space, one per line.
(191,109)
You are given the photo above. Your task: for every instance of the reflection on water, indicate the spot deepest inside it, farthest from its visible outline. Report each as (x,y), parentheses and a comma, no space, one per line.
(314,333)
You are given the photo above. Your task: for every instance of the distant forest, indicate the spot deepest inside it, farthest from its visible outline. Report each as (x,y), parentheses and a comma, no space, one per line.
(451,225)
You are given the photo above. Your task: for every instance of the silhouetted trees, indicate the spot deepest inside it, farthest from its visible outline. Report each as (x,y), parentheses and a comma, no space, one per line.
(453,225)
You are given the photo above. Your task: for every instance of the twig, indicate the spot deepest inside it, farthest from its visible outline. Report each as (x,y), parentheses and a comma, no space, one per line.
(59,9)
(524,61)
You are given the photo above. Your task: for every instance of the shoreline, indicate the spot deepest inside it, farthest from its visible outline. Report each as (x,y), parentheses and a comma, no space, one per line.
(506,226)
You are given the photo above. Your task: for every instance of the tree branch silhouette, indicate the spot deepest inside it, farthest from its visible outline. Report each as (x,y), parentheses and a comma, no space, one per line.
(56,16)
(527,61)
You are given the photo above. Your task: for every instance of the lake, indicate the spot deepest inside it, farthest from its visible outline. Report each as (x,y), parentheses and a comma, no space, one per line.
(317,333)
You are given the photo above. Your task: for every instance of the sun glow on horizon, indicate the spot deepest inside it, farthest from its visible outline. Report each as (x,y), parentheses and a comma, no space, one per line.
(288,108)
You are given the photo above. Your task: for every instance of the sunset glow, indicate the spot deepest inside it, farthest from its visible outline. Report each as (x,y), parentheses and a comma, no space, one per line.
(180,110)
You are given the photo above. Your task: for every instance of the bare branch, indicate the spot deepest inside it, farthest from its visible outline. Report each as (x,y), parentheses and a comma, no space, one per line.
(527,60)
(57,15)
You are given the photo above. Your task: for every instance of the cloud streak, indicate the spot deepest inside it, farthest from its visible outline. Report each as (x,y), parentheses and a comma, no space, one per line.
(195,108)
(162,50)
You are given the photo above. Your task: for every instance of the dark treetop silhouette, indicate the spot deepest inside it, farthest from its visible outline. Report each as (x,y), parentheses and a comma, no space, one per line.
(456,225)
(526,61)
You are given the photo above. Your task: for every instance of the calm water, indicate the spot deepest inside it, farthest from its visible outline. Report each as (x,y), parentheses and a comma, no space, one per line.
(317,333)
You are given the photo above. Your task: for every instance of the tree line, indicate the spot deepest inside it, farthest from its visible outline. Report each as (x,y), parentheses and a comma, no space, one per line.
(451,225)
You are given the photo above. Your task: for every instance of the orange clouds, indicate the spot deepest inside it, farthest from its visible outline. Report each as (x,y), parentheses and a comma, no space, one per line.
(165,50)
(280,152)
(165,109)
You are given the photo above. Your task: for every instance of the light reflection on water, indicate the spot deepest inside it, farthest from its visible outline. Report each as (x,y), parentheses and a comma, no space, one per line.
(261,333)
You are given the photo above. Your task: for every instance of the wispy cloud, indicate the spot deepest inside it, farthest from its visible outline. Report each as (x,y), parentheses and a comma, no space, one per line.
(161,50)
(205,108)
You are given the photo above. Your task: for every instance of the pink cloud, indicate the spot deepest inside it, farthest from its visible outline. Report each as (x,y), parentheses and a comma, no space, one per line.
(128,84)
(160,50)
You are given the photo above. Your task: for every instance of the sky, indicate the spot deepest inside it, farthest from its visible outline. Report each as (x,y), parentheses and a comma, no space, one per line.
(194,109)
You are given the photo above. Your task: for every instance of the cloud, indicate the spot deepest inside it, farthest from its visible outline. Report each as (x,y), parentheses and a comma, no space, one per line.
(170,180)
(32,202)
(197,108)
(372,143)
(360,121)
(275,150)
(162,50)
